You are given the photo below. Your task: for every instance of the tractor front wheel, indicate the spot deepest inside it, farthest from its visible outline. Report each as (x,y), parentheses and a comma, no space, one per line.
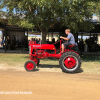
(36,60)
(70,62)
(30,65)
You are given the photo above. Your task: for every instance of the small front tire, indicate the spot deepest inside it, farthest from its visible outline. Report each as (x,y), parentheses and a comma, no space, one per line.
(30,65)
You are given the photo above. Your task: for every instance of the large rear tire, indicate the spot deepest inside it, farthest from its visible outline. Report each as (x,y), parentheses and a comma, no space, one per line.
(30,65)
(70,62)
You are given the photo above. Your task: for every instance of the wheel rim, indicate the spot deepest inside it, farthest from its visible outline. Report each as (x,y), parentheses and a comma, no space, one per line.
(29,66)
(70,62)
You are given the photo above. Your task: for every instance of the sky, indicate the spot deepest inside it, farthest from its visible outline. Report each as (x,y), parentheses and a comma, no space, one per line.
(4,9)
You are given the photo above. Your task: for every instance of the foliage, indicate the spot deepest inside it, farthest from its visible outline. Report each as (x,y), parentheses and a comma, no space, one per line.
(44,14)
(97,11)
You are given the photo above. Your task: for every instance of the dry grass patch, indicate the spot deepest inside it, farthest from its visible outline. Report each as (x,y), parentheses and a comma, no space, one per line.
(89,64)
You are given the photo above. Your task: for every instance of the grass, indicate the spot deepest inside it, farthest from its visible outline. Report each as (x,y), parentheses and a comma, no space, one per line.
(13,59)
(89,64)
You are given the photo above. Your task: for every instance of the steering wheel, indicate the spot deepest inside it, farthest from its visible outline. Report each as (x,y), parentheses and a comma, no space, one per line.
(62,40)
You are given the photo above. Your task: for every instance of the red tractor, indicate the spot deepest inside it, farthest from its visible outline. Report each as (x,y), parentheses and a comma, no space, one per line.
(69,61)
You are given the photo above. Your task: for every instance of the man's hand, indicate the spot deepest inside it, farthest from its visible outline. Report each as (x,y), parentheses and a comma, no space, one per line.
(61,37)
(64,38)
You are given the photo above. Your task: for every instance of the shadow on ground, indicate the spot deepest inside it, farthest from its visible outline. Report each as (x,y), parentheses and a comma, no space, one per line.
(48,66)
(55,66)
(80,70)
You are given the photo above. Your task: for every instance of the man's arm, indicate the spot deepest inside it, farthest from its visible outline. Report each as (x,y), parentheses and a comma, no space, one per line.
(64,38)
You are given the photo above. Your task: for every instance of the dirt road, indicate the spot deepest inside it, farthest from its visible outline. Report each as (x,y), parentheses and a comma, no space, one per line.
(44,85)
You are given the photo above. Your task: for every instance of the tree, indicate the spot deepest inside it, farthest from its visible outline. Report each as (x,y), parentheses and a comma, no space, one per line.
(44,14)
(97,11)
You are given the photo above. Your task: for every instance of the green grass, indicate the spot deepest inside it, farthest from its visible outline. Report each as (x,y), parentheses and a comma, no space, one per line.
(89,63)
(90,58)
(13,59)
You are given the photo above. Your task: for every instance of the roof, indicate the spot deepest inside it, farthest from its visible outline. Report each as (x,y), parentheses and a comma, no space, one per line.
(39,33)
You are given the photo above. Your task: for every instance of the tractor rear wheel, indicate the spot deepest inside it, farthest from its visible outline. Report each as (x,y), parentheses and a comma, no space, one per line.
(70,62)
(30,65)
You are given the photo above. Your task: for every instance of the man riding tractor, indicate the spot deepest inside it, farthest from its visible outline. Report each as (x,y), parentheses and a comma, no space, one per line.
(66,53)
(70,39)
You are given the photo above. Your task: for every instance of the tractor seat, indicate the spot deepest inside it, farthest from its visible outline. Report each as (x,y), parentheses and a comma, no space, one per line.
(70,46)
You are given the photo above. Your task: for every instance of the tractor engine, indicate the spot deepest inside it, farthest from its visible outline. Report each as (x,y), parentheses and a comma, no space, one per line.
(41,51)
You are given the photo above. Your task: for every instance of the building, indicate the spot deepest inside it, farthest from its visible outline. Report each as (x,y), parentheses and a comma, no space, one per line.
(21,34)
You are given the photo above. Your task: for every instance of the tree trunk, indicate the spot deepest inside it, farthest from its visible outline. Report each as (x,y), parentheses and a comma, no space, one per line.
(44,37)
(44,33)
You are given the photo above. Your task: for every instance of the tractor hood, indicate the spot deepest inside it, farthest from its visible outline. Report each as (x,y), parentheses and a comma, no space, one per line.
(43,46)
